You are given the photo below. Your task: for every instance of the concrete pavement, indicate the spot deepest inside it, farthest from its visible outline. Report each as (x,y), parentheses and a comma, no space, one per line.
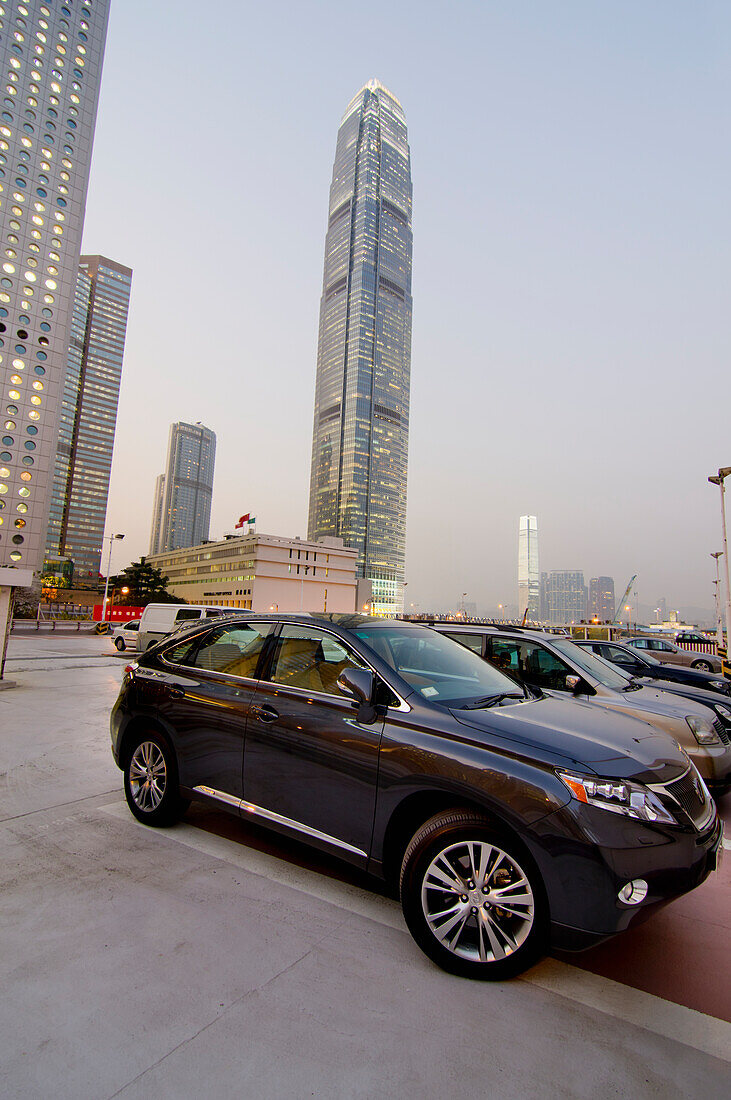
(216,959)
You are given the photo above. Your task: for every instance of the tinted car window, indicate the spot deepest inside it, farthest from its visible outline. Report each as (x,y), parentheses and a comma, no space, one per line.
(665,647)
(231,649)
(188,613)
(640,643)
(310,659)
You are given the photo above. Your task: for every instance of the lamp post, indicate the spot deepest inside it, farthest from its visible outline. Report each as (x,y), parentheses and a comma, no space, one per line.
(717,597)
(719,479)
(109,566)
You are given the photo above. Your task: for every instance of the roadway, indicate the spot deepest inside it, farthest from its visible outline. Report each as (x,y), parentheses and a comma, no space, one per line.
(215,957)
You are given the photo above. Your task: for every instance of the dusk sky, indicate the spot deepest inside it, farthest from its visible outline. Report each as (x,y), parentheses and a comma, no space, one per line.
(570,356)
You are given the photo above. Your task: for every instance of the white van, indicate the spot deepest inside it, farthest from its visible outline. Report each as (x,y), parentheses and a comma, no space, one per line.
(159,619)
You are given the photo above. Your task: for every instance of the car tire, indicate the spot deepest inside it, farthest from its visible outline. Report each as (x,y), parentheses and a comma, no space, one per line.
(151,781)
(702,666)
(455,871)
(119,643)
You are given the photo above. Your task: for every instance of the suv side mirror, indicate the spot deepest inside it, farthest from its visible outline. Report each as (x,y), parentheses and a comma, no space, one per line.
(359,685)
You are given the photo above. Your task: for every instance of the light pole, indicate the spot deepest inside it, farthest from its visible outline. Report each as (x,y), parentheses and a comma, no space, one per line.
(719,479)
(109,566)
(717,596)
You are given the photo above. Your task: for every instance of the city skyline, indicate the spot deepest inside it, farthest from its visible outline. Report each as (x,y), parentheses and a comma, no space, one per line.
(361,421)
(569,225)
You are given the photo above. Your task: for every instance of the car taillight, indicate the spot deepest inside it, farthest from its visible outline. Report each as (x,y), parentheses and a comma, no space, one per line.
(130,670)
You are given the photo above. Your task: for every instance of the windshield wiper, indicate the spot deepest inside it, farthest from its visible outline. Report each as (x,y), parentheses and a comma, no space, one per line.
(633,685)
(492,700)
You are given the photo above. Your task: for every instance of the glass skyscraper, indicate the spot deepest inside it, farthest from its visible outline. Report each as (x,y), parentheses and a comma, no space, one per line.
(88,416)
(361,423)
(182,506)
(529,577)
(50,67)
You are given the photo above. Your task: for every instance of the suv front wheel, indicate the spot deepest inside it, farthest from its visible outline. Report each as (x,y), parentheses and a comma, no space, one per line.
(472,898)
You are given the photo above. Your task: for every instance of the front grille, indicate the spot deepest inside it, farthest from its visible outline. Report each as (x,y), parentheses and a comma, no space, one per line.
(690,794)
(721,731)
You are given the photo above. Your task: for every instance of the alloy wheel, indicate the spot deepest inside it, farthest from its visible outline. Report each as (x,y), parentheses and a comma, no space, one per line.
(477,901)
(147,776)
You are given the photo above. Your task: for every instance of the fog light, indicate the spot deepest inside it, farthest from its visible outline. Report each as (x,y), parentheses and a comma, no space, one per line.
(632,893)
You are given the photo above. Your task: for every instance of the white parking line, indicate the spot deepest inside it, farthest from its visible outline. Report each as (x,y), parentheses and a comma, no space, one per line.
(683,1025)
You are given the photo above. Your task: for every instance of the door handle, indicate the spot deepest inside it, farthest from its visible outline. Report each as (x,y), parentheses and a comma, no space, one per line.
(264,714)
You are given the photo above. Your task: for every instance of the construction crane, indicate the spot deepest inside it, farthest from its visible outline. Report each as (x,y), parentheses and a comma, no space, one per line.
(620,604)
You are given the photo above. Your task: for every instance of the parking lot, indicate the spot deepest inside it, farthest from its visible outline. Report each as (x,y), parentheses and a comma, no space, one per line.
(216,959)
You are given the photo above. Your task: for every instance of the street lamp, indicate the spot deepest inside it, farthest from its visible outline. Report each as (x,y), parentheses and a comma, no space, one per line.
(719,479)
(717,596)
(109,566)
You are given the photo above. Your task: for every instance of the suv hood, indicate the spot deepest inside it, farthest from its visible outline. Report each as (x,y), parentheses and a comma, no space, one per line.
(581,736)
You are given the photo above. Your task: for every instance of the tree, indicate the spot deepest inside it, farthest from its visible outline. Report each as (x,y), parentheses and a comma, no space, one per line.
(146,584)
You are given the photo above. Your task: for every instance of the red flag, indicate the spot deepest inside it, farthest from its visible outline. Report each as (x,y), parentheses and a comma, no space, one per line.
(244,519)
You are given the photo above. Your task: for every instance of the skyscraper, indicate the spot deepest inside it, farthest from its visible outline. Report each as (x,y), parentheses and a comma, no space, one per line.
(88,415)
(601,598)
(182,507)
(361,424)
(50,62)
(565,597)
(529,577)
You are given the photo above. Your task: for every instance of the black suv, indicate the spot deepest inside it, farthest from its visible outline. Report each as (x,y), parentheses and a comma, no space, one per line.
(508,820)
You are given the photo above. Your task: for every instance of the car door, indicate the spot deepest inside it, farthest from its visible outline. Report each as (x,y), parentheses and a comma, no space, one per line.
(310,767)
(622,658)
(669,653)
(204,695)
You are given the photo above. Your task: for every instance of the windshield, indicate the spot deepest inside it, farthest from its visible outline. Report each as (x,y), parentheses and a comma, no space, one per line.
(601,670)
(440,669)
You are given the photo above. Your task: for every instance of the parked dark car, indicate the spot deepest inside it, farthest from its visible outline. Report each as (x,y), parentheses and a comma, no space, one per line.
(637,662)
(510,820)
(546,662)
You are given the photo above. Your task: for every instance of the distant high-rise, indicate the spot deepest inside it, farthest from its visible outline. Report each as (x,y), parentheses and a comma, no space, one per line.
(51,60)
(601,598)
(88,415)
(182,507)
(361,425)
(565,597)
(529,577)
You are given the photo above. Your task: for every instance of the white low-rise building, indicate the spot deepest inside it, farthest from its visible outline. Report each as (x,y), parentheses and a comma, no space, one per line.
(264,573)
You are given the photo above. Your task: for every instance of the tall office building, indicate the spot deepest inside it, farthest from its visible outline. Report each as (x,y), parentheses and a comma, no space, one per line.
(601,599)
(50,64)
(88,416)
(565,597)
(529,577)
(361,424)
(182,507)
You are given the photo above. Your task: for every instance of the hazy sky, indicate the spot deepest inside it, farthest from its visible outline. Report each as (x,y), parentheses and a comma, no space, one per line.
(570,354)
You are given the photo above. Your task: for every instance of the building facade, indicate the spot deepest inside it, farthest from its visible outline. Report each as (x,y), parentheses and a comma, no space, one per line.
(529,576)
(361,424)
(50,60)
(601,599)
(88,416)
(565,597)
(182,507)
(264,573)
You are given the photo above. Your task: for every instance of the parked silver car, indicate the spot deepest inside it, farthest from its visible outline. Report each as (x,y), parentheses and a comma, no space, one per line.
(668,652)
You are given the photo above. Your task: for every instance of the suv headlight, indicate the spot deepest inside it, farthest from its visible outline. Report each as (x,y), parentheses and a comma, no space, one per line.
(719,685)
(703,730)
(618,796)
